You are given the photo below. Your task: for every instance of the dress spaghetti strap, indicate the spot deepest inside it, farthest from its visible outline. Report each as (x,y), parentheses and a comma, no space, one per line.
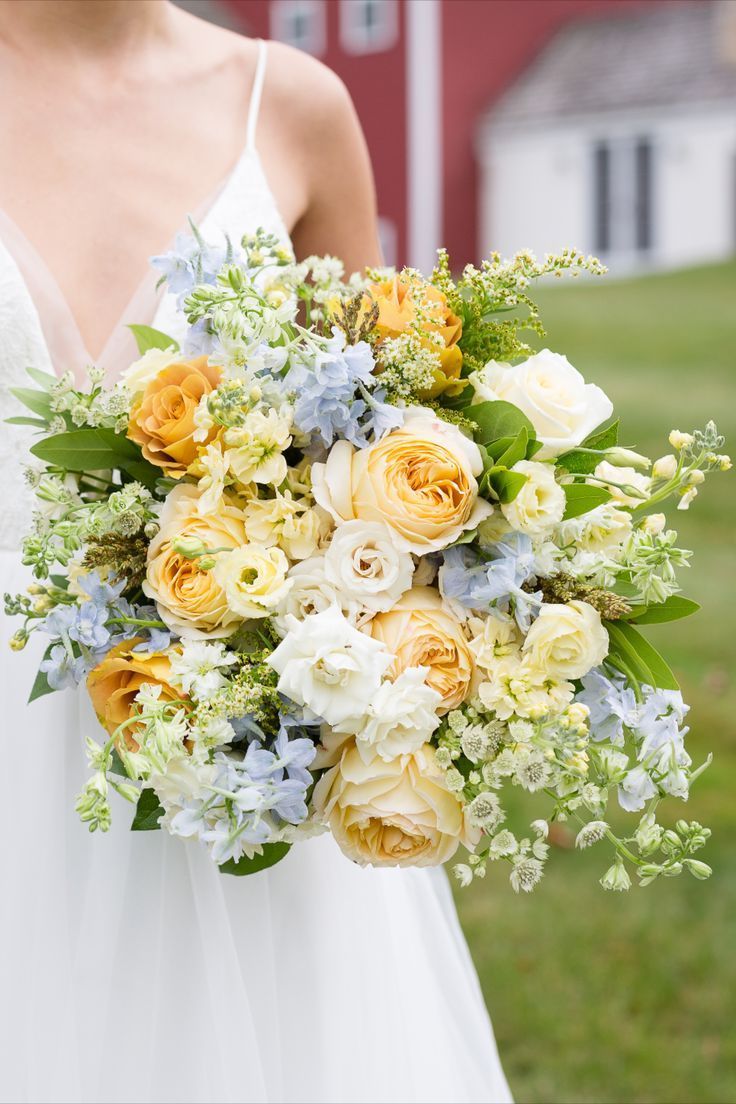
(255,96)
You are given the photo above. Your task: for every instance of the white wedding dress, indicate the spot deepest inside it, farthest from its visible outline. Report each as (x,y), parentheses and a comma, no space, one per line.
(130,968)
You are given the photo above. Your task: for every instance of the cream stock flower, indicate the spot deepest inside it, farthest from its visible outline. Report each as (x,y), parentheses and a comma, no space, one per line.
(420,480)
(422,632)
(629,477)
(495,638)
(516,686)
(297,527)
(190,600)
(363,562)
(254,451)
(561,406)
(603,528)
(396,813)
(540,503)
(566,640)
(253,579)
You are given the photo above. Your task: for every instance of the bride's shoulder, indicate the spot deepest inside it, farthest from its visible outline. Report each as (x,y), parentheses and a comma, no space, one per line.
(311,98)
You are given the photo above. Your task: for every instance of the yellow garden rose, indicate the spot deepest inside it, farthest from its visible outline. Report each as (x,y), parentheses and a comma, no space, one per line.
(162,415)
(421,632)
(114,683)
(189,599)
(400,300)
(420,480)
(399,813)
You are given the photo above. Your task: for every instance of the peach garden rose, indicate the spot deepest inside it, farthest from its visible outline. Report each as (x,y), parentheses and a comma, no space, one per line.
(114,683)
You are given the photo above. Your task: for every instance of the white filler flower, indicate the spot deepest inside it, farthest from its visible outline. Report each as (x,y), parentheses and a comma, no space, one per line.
(399,719)
(327,665)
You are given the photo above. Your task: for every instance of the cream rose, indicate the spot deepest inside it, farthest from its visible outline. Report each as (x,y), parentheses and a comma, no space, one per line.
(142,371)
(363,562)
(420,480)
(421,631)
(253,579)
(540,503)
(396,813)
(561,406)
(190,600)
(566,640)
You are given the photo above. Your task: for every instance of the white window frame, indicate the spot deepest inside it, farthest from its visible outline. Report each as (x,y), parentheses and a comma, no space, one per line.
(282,13)
(353,35)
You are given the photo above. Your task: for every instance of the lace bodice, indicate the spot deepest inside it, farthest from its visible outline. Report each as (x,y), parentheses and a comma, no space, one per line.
(30,326)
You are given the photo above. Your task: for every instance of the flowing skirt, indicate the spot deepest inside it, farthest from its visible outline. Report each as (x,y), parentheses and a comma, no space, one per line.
(132,970)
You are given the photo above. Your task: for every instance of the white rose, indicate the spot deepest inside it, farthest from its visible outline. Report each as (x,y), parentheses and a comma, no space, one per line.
(561,406)
(253,578)
(364,562)
(540,503)
(312,592)
(628,477)
(401,717)
(566,640)
(329,666)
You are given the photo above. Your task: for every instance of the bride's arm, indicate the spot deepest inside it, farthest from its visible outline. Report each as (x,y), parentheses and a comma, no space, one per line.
(330,182)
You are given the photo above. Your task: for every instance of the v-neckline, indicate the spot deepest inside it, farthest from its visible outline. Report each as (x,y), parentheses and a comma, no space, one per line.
(55,311)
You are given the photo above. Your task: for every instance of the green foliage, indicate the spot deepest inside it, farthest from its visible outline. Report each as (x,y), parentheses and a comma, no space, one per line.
(579,462)
(673,608)
(272,853)
(633,654)
(92,450)
(582,498)
(498,420)
(37,401)
(147,338)
(148,812)
(41,686)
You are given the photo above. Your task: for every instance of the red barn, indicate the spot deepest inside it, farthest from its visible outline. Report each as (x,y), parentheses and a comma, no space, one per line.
(422,73)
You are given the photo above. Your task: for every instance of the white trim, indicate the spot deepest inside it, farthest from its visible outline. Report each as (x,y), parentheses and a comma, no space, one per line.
(424,122)
(355,37)
(282,12)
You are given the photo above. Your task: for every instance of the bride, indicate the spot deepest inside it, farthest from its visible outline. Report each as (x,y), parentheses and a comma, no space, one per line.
(130,968)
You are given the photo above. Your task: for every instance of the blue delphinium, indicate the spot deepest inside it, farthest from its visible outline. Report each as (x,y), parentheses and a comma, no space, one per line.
(332,394)
(192,261)
(611,702)
(493,583)
(62,668)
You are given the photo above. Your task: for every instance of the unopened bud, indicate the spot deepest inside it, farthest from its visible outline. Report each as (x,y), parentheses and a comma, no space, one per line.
(623,457)
(679,440)
(189,547)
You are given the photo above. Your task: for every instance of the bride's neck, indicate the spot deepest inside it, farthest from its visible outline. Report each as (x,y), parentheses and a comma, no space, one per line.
(93,26)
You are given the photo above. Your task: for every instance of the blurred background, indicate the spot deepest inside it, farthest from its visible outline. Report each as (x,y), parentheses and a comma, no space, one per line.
(609,125)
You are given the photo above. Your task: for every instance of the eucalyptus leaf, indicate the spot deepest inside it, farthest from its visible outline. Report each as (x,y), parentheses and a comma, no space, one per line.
(272,853)
(583,497)
(148,812)
(147,338)
(497,419)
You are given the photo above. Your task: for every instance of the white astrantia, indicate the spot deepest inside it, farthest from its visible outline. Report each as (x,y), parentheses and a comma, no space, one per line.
(399,719)
(326,664)
(363,562)
(200,667)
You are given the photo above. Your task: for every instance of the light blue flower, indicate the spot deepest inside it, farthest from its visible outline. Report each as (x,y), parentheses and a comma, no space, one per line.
(612,705)
(103,594)
(88,627)
(332,392)
(63,669)
(495,583)
(192,261)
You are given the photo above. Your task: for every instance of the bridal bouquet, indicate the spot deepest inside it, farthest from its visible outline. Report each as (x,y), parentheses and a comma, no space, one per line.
(356,558)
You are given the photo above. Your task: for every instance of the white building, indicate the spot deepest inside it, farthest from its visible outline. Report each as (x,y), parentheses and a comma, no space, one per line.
(620,139)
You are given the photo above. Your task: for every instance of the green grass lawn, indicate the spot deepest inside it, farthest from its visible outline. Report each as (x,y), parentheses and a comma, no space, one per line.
(598,997)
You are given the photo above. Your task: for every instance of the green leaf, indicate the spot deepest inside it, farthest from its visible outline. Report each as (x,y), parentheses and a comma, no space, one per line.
(583,497)
(116,764)
(580,462)
(89,450)
(673,608)
(41,684)
(505,484)
(43,379)
(272,853)
(39,423)
(515,450)
(37,401)
(147,338)
(148,812)
(497,419)
(459,401)
(643,659)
